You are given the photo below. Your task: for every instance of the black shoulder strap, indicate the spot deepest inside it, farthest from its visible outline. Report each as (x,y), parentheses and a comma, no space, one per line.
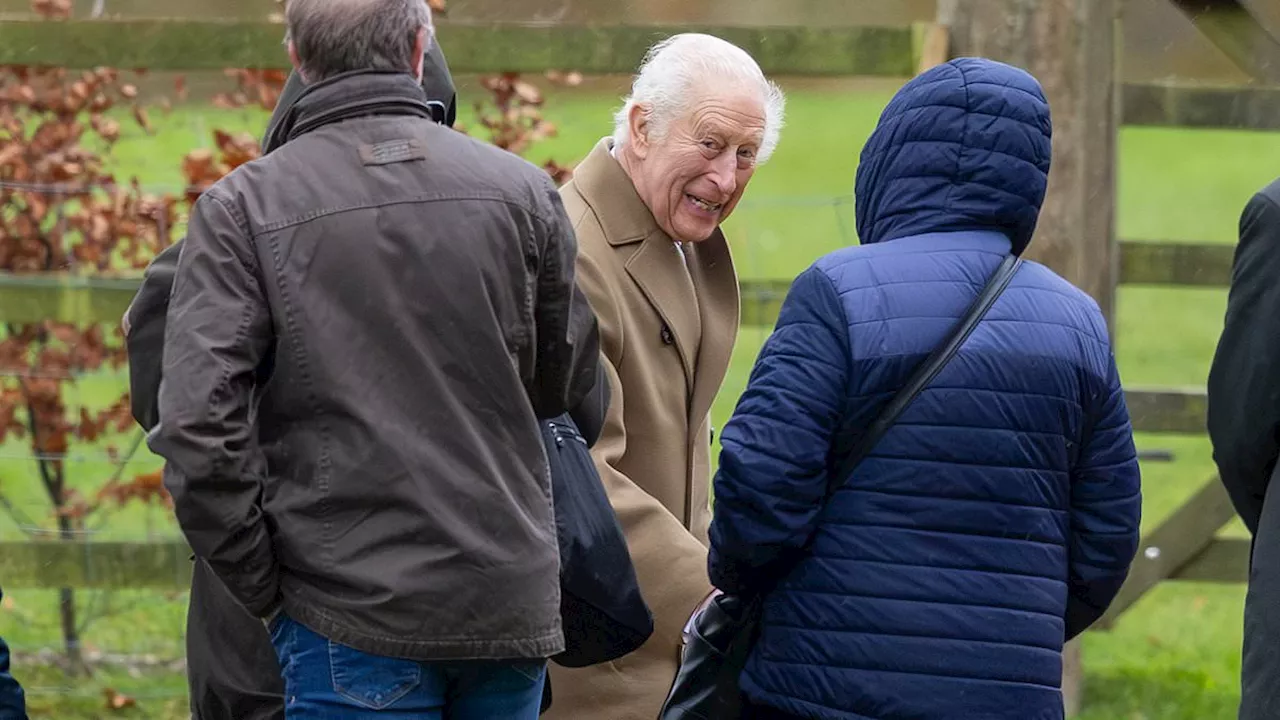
(927,371)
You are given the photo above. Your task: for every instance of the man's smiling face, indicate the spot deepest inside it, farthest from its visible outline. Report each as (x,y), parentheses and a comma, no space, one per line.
(692,176)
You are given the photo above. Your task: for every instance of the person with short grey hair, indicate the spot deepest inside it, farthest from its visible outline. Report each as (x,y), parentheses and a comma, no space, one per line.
(365,328)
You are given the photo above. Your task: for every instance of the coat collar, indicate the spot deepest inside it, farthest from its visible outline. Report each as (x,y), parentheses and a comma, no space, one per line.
(699,305)
(349,95)
(609,191)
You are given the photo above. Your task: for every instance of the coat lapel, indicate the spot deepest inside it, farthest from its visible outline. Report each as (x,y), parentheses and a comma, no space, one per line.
(717,286)
(657,265)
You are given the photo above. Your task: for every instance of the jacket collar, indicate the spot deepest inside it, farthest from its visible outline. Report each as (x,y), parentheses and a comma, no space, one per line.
(609,191)
(350,95)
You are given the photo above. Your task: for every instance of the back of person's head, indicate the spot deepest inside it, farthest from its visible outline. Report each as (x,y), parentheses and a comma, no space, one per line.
(331,37)
(964,146)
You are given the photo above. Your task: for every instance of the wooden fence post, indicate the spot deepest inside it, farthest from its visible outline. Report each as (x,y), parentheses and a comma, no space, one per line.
(1070,46)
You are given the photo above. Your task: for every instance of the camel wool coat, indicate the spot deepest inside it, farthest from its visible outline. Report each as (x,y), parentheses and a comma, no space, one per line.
(668,320)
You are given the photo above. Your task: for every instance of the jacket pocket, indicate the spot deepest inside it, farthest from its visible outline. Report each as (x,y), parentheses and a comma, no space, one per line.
(372,681)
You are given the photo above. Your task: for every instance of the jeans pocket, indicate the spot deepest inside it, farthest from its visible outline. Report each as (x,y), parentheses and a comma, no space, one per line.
(531,670)
(371,681)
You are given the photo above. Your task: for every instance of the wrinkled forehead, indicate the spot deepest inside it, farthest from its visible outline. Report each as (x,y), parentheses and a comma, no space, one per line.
(732,111)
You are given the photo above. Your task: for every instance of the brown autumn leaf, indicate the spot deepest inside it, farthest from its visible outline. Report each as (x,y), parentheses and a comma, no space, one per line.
(52,9)
(108,129)
(117,701)
(88,430)
(10,153)
(100,103)
(558,77)
(140,114)
(527,92)
(54,442)
(560,174)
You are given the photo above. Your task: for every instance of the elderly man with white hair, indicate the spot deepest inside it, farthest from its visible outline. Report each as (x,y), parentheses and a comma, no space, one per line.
(646,206)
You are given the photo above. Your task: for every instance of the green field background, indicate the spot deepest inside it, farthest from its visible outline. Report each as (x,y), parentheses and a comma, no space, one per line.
(1174,656)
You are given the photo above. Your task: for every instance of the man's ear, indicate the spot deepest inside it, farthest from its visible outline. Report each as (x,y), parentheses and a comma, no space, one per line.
(297,64)
(420,51)
(638,130)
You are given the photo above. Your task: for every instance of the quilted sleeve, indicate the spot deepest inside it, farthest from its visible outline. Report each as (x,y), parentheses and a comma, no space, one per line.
(773,471)
(1106,507)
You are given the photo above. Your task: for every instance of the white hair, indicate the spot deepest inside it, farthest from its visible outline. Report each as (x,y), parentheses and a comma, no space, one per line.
(673,67)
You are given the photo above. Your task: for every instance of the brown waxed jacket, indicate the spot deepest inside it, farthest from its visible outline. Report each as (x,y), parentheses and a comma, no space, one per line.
(667,330)
(413,292)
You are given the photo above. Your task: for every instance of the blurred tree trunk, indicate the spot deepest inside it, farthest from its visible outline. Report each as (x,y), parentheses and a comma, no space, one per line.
(1071,48)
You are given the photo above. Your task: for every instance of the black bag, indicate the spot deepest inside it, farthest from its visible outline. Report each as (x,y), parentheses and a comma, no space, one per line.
(604,614)
(724,630)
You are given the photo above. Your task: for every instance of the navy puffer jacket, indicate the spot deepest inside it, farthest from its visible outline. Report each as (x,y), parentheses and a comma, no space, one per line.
(999,516)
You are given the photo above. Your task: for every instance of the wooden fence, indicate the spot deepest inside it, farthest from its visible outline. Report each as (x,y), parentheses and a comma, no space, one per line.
(190,45)
(1184,547)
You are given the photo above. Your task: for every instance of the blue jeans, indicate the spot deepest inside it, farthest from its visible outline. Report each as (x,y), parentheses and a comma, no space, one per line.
(324,680)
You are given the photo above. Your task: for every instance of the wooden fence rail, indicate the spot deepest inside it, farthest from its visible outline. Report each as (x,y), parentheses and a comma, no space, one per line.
(103,298)
(95,565)
(171,44)
(192,45)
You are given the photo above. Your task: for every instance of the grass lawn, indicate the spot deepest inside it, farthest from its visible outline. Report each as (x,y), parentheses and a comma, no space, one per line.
(1174,656)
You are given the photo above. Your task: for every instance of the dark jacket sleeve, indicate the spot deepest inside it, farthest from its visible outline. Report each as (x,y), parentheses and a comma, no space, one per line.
(590,414)
(773,474)
(144,323)
(219,333)
(1244,381)
(567,352)
(1106,507)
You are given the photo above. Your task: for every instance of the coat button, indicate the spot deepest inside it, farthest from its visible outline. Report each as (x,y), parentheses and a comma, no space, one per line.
(667,337)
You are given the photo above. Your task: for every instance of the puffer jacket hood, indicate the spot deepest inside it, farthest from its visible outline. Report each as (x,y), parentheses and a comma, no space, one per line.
(963,146)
